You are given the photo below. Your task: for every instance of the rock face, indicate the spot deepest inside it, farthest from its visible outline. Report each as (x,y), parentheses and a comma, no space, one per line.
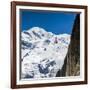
(71,65)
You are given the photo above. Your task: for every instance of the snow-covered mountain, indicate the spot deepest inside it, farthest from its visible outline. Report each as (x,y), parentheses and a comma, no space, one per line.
(42,53)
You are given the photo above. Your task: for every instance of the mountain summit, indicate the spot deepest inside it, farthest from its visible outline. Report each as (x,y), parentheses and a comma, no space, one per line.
(42,52)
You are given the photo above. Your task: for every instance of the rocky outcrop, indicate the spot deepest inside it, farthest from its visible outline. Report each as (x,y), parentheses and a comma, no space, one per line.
(71,65)
(73,56)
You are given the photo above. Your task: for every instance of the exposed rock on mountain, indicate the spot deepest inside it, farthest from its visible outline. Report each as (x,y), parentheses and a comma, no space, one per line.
(71,65)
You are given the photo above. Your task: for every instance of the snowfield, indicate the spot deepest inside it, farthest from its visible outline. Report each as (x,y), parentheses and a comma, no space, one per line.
(42,53)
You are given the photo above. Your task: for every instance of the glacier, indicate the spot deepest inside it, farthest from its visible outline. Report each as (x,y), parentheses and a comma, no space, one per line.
(42,53)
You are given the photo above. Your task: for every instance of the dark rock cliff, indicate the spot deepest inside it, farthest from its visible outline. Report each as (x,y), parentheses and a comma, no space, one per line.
(71,65)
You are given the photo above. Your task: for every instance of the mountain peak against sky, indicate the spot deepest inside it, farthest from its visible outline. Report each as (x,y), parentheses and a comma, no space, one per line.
(36,29)
(37,33)
(42,30)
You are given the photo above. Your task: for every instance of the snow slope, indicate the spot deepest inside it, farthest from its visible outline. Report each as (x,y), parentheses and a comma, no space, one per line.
(42,53)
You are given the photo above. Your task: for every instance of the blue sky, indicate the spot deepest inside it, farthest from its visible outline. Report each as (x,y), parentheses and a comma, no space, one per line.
(56,22)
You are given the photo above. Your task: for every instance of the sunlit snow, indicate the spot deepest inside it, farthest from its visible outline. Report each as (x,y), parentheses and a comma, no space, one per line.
(41,55)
